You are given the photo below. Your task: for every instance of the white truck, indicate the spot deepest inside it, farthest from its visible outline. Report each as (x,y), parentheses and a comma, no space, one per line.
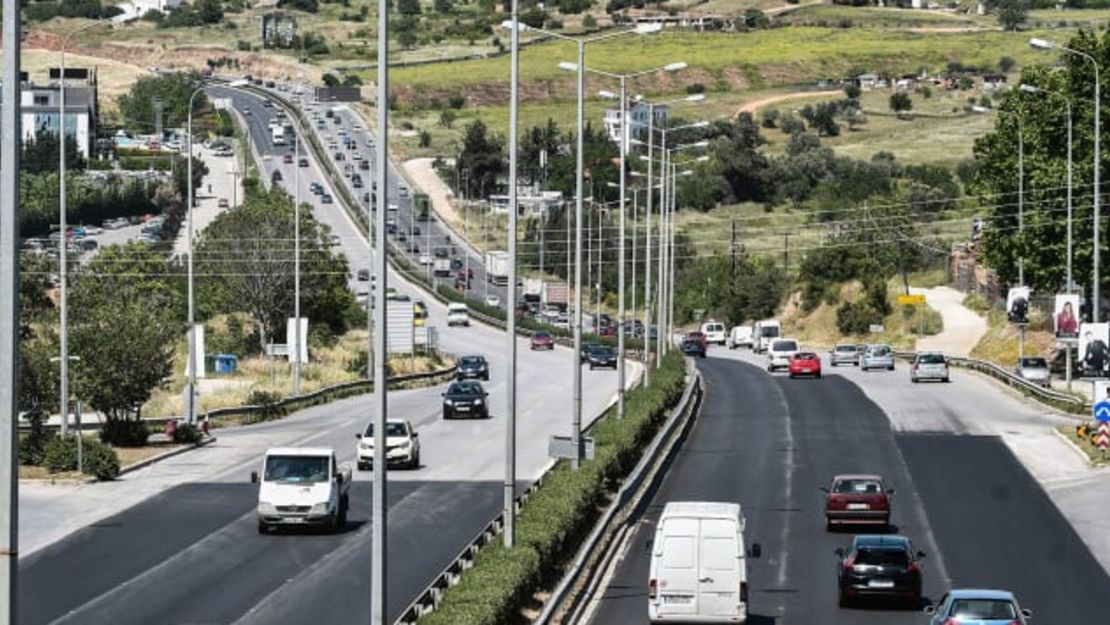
(497,267)
(533,290)
(764,332)
(441,267)
(556,294)
(302,486)
(278,134)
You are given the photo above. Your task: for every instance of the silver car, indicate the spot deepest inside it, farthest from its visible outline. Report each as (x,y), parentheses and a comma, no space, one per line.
(1034,370)
(878,356)
(929,366)
(844,354)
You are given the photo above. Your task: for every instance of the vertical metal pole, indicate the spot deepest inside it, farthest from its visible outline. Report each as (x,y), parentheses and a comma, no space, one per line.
(576,423)
(1069,289)
(1021,203)
(661,339)
(671,245)
(63,252)
(632,304)
(9,313)
(191,399)
(647,245)
(378,513)
(1096,303)
(297,265)
(620,258)
(510,307)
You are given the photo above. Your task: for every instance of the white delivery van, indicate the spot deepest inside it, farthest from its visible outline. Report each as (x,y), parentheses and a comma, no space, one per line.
(458,314)
(698,568)
(765,331)
(714,332)
(740,336)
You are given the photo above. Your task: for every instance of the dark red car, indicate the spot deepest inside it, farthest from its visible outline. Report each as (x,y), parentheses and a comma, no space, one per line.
(607,331)
(805,363)
(698,336)
(543,340)
(857,499)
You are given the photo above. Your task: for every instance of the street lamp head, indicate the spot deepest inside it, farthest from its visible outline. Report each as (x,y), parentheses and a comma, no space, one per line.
(612,185)
(568,66)
(607,94)
(1041,44)
(674,67)
(647,29)
(1029,88)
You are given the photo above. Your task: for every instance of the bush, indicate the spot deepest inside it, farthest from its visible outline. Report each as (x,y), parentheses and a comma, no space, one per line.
(457,102)
(97,459)
(260,397)
(561,511)
(124,432)
(32,447)
(855,318)
(187,434)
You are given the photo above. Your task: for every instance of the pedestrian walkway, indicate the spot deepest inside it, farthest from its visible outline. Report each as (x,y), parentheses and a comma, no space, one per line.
(963,327)
(222,183)
(424,176)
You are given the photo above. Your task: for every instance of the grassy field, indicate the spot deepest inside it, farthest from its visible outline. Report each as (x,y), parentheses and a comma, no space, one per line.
(875,17)
(1000,344)
(113,78)
(818,330)
(765,58)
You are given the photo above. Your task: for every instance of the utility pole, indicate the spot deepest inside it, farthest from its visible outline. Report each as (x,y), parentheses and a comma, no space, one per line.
(510,305)
(732,246)
(9,313)
(297,347)
(786,252)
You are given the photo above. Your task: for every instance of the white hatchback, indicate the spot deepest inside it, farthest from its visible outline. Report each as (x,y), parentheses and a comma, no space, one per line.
(780,352)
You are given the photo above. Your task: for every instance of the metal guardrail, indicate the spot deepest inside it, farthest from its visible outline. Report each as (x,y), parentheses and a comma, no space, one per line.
(287,403)
(1053,398)
(427,601)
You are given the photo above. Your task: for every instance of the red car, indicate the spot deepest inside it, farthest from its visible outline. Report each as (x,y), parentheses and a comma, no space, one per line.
(543,340)
(607,331)
(698,336)
(805,363)
(857,500)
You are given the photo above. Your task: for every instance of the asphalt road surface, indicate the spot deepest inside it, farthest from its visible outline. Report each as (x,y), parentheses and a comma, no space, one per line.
(768,443)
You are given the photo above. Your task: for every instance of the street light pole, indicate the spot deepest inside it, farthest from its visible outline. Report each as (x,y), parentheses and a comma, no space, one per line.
(296,265)
(378,507)
(576,424)
(191,399)
(509,508)
(620,255)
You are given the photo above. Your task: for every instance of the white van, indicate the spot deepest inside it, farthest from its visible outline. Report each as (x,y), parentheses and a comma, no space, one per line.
(714,332)
(458,314)
(698,564)
(780,352)
(766,331)
(740,335)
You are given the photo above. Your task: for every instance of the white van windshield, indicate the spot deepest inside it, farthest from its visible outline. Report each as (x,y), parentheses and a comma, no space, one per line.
(769,332)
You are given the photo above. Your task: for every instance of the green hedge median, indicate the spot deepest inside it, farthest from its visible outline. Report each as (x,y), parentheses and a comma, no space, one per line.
(561,511)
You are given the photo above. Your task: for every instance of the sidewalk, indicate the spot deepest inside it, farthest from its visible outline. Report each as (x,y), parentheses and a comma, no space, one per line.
(222,182)
(424,176)
(963,327)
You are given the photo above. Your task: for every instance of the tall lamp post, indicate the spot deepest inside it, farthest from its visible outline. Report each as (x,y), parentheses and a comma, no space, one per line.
(63,240)
(1044,44)
(509,507)
(297,347)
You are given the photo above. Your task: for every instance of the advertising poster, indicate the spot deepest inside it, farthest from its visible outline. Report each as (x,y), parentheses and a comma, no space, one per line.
(1093,353)
(1017,305)
(1065,316)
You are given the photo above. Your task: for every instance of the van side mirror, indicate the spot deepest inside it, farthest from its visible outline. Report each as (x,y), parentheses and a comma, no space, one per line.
(930,609)
(1027,613)
(339,478)
(890,491)
(416,434)
(839,552)
(648,545)
(254,477)
(755,551)
(358,436)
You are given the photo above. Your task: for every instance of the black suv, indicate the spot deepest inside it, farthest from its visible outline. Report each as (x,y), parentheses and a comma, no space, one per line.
(472,368)
(465,399)
(879,566)
(602,356)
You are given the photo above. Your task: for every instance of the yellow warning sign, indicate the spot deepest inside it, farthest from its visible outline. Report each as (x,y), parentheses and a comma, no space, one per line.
(911,299)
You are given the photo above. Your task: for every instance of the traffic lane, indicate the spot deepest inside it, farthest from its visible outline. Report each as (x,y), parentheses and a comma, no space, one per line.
(768,444)
(1001,530)
(743,423)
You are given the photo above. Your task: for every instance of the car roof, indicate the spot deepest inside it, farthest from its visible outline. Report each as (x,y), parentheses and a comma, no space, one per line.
(857,476)
(478,356)
(300,451)
(702,509)
(981,593)
(877,541)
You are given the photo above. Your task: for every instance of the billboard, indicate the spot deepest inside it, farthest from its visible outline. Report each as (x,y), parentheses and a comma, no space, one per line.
(1093,339)
(291,338)
(1065,316)
(1017,305)
(400,334)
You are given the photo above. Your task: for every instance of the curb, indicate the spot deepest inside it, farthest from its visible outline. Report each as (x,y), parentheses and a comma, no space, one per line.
(1091,462)
(146,462)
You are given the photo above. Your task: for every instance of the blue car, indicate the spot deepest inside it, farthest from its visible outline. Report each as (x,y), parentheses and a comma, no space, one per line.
(978,607)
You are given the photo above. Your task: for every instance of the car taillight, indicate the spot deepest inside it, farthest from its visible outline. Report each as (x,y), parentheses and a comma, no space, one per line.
(881,503)
(743,592)
(836,503)
(849,562)
(950,621)
(653,588)
(913,568)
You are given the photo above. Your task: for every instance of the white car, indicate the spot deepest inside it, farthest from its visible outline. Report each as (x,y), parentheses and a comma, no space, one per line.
(302,486)
(493,300)
(458,314)
(780,352)
(740,336)
(402,445)
(426,259)
(714,332)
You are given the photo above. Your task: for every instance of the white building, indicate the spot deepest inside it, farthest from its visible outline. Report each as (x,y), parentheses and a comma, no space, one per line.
(638,113)
(134,9)
(530,203)
(39,108)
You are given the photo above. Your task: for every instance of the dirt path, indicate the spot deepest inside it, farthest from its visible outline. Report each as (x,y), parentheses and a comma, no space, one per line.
(755,105)
(963,327)
(424,176)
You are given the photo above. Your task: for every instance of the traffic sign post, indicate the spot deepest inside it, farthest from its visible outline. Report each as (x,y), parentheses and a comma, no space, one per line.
(1102,439)
(1102,412)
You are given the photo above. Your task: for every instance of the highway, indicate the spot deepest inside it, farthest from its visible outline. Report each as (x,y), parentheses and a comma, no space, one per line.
(177,542)
(770,442)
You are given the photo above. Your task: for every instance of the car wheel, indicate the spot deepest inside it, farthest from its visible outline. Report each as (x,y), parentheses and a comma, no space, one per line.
(486,377)
(415,464)
(263,527)
(828,525)
(818,376)
(362,466)
(841,600)
(341,521)
(330,523)
(791,376)
(591,366)
(446,415)
(946,380)
(890,368)
(913,379)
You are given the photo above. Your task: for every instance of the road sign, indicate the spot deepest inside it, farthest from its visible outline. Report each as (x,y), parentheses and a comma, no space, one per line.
(1103,437)
(911,300)
(562,447)
(1102,411)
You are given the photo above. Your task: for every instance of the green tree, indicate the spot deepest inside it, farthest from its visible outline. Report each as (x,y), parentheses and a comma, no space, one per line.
(40,154)
(444,7)
(900,102)
(126,318)
(447,118)
(484,159)
(1012,13)
(408,7)
(173,89)
(210,11)
(852,91)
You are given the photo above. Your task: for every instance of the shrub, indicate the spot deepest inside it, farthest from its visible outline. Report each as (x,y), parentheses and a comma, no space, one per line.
(32,447)
(457,102)
(187,434)
(97,459)
(124,432)
(855,318)
(259,397)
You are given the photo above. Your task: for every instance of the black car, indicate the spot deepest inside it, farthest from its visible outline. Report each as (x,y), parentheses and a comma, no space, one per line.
(472,367)
(879,566)
(586,348)
(602,356)
(465,399)
(303,162)
(693,347)
(364,165)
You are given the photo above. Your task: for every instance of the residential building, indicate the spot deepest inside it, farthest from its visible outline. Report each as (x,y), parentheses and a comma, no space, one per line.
(638,113)
(134,9)
(530,202)
(40,102)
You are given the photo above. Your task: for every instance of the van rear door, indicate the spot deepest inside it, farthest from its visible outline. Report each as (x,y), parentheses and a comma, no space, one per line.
(719,569)
(677,570)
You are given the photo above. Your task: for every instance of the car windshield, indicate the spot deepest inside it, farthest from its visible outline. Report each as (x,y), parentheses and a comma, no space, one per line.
(392,428)
(879,350)
(882,557)
(297,468)
(464,389)
(857,486)
(785,346)
(931,359)
(805,356)
(769,332)
(983,609)
(1034,363)
(470,361)
(542,335)
(603,350)
(845,348)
